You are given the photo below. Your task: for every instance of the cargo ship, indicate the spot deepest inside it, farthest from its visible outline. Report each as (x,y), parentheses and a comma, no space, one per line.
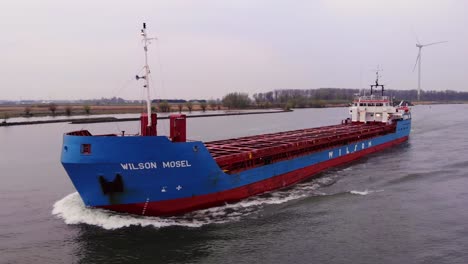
(156,175)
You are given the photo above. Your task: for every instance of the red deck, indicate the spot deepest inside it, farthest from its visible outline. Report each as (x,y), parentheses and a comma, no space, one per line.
(238,154)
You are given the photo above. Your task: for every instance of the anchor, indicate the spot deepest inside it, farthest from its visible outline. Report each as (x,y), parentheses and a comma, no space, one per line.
(110,187)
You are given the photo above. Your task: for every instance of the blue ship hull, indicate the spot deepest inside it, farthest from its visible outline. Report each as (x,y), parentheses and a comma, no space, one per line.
(152,175)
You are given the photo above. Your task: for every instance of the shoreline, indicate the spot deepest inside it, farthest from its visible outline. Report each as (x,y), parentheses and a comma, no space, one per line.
(111,119)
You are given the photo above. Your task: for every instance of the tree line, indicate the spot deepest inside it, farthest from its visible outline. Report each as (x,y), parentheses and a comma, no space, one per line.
(282,98)
(296,98)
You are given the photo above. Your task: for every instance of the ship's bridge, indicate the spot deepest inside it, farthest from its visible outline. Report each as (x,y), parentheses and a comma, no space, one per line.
(373,108)
(372,100)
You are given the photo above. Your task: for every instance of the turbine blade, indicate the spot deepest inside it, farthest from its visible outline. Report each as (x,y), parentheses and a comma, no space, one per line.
(433,43)
(416,36)
(417,59)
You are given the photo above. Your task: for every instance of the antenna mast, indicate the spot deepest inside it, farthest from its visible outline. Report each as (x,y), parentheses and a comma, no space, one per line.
(377,85)
(146,42)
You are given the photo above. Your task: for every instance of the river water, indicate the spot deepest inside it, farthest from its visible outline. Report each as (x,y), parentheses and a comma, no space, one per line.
(407,204)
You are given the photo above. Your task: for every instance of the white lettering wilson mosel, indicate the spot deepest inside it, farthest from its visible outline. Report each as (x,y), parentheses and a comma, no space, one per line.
(149,165)
(176,164)
(139,166)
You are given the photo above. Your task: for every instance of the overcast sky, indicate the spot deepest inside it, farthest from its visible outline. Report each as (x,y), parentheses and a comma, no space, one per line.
(58,49)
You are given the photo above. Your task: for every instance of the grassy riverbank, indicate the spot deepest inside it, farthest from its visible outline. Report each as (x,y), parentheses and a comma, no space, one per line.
(66,110)
(10,111)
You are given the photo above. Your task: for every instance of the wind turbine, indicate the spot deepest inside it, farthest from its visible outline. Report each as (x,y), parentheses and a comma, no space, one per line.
(418,62)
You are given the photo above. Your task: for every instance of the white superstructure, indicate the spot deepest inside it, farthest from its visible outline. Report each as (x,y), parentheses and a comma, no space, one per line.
(377,108)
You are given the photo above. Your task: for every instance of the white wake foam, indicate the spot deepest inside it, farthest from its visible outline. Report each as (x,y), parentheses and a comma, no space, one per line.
(365,192)
(73,211)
